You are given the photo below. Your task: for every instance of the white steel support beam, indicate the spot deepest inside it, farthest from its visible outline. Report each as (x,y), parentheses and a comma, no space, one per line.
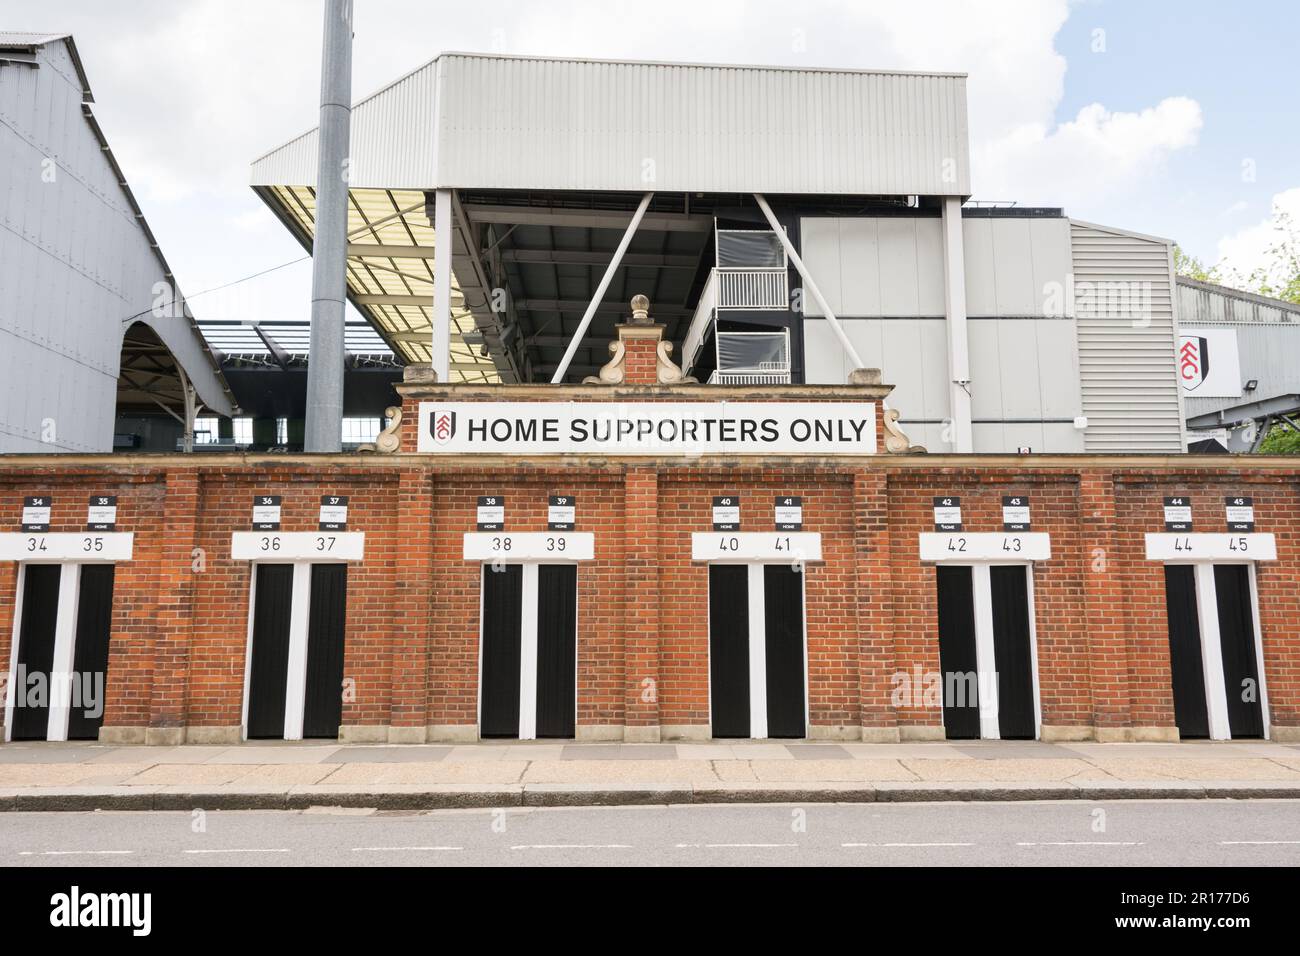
(599,295)
(442,244)
(854,359)
(954,309)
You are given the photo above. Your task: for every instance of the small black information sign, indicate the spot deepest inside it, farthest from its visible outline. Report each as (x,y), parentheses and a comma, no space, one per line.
(726,513)
(1015,513)
(561,512)
(491,513)
(1240,513)
(101,514)
(947,513)
(334,513)
(36,513)
(789,513)
(266,512)
(1178,513)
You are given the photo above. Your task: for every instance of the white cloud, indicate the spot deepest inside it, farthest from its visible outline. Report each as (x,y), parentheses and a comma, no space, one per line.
(190,93)
(1246,250)
(1096,152)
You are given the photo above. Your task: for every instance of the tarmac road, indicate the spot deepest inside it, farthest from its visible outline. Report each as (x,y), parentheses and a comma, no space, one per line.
(1109,833)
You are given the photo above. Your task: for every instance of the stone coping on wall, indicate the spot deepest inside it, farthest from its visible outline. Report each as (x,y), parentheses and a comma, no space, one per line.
(1135,467)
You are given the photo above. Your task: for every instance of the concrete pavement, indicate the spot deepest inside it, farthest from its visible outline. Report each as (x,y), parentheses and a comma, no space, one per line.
(1067,833)
(279,775)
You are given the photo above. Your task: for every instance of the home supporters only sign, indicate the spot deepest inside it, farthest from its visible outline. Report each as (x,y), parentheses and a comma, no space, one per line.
(648,428)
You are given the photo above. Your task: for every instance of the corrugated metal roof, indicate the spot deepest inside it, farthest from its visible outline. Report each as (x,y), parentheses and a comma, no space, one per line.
(473,121)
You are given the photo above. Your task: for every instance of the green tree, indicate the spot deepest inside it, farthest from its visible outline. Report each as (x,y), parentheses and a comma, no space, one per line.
(1192,267)
(1282,439)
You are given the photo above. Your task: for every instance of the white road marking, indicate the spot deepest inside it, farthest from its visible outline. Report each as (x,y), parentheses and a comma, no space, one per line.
(1085,843)
(77,852)
(572,846)
(254,850)
(1259,843)
(852,845)
(401,849)
(732,846)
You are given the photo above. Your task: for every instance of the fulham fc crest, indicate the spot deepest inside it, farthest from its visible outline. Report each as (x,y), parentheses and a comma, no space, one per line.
(442,425)
(1193,362)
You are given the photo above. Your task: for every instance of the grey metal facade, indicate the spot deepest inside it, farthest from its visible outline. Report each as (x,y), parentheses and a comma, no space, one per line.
(78,266)
(1268,339)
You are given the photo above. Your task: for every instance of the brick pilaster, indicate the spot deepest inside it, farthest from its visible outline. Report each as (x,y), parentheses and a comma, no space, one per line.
(412,622)
(871,550)
(179,575)
(641,608)
(1103,604)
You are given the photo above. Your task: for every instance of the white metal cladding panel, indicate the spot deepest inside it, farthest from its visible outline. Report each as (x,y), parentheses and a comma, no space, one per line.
(911,354)
(392,141)
(1127,365)
(1012,263)
(875,266)
(1023,368)
(74,264)
(516,123)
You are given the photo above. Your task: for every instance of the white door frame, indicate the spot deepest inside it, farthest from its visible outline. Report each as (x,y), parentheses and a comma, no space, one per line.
(982,600)
(295,689)
(755,595)
(61,676)
(527,645)
(301,549)
(1207,616)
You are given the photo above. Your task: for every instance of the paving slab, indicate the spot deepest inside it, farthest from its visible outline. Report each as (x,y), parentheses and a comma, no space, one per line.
(483,771)
(619,752)
(1195,768)
(397,753)
(619,772)
(1027,770)
(45,752)
(818,752)
(275,755)
(830,771)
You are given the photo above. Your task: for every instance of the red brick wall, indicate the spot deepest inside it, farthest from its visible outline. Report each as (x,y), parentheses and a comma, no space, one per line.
(180,622)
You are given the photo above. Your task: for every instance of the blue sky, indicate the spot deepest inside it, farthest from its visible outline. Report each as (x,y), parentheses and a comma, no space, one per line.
(1148,135)
(1238,61)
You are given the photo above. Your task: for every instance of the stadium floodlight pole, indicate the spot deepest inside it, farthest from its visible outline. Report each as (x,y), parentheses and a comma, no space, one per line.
(808,282)
(599,297)
(323,431)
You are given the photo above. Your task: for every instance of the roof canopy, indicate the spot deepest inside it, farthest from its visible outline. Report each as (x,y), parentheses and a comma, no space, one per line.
(474,121)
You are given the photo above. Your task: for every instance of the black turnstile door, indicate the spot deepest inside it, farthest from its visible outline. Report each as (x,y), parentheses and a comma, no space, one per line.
(557,647)
(36,651)
(90,652)
(503,587)
(326,625)
(1185,664)
(1237,640)
(957,663)
(729,649)
(783,624)
(1011,655)
(269,666)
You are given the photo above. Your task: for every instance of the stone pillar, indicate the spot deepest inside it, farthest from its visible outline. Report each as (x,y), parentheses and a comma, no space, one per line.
(641,607)
(875,612)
